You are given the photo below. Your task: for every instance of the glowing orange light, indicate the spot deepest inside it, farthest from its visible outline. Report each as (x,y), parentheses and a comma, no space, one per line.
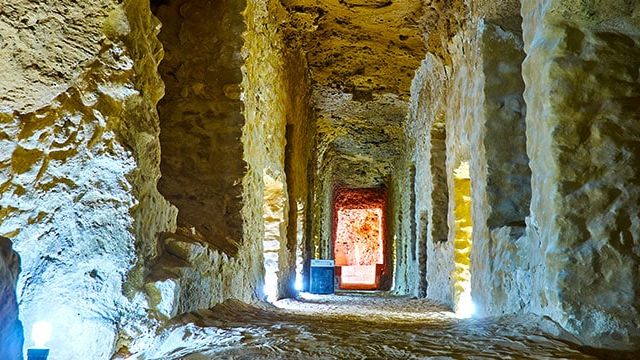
(359,238)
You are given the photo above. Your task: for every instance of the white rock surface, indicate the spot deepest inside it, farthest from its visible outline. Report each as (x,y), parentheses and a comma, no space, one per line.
(79,166)
(582,91)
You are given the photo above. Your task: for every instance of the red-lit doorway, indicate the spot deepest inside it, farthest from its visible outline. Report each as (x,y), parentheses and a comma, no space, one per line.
(359,238)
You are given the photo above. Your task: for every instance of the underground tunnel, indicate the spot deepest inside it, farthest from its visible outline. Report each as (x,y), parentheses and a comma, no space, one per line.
(178,178)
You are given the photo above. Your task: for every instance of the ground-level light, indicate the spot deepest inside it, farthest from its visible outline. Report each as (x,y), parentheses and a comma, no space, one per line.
(298,283)
(41,332)
(466,308)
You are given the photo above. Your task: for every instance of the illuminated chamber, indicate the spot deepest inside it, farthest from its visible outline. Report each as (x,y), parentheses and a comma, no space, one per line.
(359,243)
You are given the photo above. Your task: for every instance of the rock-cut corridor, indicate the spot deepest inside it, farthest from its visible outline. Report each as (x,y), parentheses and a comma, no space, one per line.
(319,179)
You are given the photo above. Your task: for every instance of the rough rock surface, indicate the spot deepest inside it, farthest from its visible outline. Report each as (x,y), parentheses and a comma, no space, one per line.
(298,158)
(274,218)
(11,334)
(367,327)
(78,173)
(201,117)
(197,270)
(79,166)
(480,101)
(582,91)
(359,49)
(270,107)
(579,144)
(35,72)
(501,187)
(427,131)
(190,275)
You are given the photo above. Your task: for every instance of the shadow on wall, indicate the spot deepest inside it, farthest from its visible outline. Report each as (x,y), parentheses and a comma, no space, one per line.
(201,116)
(11,334)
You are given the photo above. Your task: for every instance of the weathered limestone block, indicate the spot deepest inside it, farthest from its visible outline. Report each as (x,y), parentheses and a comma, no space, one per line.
(273,244)
(455,118)
(298,151)
(190,276)
(461,224)
(35,71)
(164,296)
(509,286)
(11,335)
(322,211)
(583,121)
(474,115)
(405,269)
(439,250)
(267,101)
(501,130)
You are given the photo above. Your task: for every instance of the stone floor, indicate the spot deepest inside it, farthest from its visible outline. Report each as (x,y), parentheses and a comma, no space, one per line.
(357,326)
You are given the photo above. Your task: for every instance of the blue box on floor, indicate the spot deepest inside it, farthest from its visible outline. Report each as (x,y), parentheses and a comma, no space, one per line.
(322,276)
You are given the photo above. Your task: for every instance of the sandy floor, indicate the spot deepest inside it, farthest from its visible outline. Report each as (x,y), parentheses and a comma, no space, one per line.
(357,327)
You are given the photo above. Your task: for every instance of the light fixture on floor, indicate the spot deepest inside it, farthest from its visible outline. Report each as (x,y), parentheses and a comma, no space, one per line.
(466,308)
(298,283)
(40,333)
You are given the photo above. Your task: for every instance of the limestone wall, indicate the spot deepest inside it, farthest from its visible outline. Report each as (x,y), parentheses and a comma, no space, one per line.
(274,96)
(196,271)
(501,190)
(298,158)
(553,232)
(79,166)
(102,254)
(477,105)
(464,104)
(582,91)
(548,191)
(321,241)
(210,258)
(201,117)
(426,128)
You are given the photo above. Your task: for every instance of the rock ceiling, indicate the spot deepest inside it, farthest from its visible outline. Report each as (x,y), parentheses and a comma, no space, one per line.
(362,55)
(359,46)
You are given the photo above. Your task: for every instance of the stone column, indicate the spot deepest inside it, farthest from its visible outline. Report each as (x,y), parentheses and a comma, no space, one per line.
(428,131)
(583,120)
(501,187)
